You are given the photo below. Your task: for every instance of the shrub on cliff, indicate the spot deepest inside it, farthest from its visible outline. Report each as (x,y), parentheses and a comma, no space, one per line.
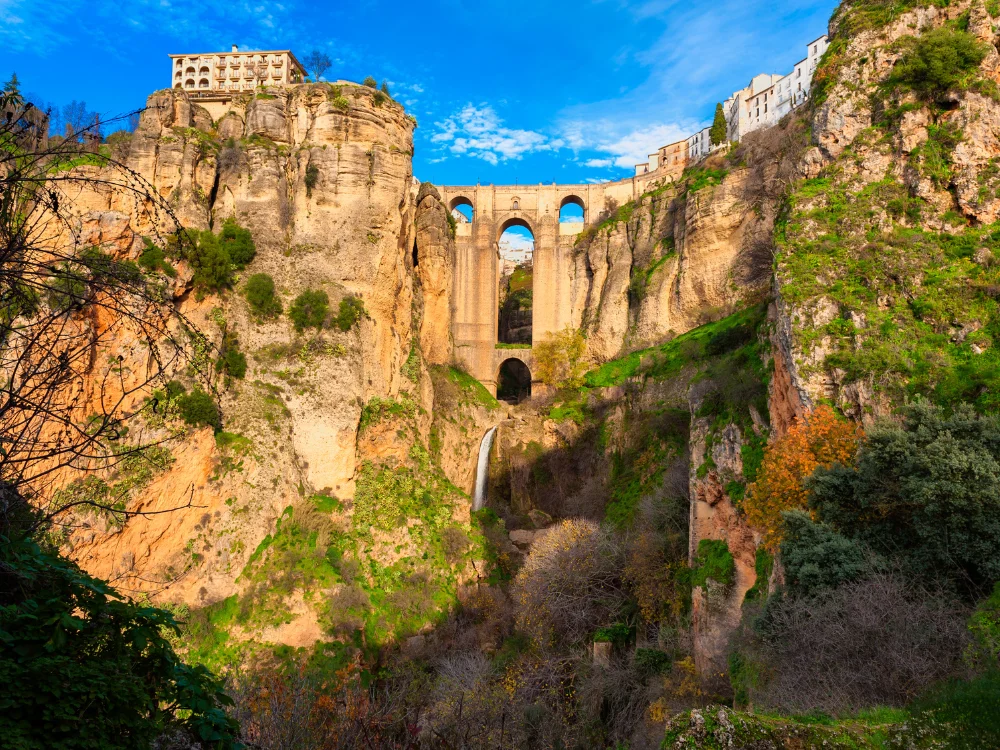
(260,294)
(153,259)
(83,667)
(309,310)
(559,359)
(819,440)
(351,310)
(939,61)
(215,258)
(238,243)
(925,492)
(199,409)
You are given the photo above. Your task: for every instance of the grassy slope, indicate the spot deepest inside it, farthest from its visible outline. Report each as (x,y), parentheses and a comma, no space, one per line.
(373,576)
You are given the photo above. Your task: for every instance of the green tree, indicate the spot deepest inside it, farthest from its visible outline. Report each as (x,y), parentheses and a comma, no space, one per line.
(13,86)
(370,82)
(238,243)
(925,492)
(261,296)
(213,268)
(83,667)
(351,310)
(199,409)
(719,131)
(309,310)
(938,61)
(385,88)
(816,557)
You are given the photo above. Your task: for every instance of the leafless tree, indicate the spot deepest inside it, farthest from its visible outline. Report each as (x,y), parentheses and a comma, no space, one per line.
(571,583)
(880,641)
(67,292)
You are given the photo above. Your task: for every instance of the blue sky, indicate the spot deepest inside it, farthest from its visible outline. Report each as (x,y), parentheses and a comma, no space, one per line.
(522,90)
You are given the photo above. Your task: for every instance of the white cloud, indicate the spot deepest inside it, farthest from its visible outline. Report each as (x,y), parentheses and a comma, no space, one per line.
(599,163)
(517,247)
(479,132)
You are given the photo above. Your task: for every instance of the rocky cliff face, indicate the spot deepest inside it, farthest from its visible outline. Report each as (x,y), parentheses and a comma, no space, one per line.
(888,243)
(665,263)
(322,177)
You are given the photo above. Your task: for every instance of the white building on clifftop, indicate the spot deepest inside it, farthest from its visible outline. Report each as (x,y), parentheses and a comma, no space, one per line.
(767,99)
(215,72)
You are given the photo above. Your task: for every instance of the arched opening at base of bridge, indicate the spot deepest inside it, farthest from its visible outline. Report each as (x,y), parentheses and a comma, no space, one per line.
(517,250)
(514,382)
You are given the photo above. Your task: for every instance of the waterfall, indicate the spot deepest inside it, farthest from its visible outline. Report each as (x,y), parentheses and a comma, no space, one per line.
(483,470)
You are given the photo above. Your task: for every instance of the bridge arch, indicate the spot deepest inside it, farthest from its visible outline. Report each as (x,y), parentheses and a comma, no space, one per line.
(569,202)
(515,221)
(513,380)
(464,206)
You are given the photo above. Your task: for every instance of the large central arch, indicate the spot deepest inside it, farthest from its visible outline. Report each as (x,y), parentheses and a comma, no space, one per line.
(515,293)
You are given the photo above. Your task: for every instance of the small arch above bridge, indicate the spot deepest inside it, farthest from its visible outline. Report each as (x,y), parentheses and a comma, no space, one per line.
(464,207)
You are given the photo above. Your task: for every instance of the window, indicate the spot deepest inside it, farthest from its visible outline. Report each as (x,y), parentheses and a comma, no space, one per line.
(765,109)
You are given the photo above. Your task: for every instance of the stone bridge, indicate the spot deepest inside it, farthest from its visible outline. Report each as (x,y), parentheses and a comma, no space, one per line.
(556,304)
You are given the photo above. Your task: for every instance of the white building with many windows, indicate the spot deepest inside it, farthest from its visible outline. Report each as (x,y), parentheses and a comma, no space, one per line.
(767,99)
(699,145)
(214,72)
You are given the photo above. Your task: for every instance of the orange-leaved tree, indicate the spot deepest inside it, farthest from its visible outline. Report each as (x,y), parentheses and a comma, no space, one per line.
(820,439)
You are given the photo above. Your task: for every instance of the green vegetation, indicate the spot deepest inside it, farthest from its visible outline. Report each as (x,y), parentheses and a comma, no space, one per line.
(153,259)
(713,561)
(311,178)
(719,132)
(341,103)
(730,335)
(197,408)
(933,157)
(370,82)
(934,340)
(261,296)
(351,310)
(467,390)
(384,408)
(559,359)
(82,666)
(763,567)
(925,493)
(698,178)
(215,259)
(231,361)
(655,439)
(938,61)
(309,310)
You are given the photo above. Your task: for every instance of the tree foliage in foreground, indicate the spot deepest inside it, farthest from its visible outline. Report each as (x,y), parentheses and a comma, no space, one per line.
(83,667)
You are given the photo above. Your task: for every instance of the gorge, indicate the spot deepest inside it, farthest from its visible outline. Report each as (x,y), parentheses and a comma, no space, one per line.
(732,370)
